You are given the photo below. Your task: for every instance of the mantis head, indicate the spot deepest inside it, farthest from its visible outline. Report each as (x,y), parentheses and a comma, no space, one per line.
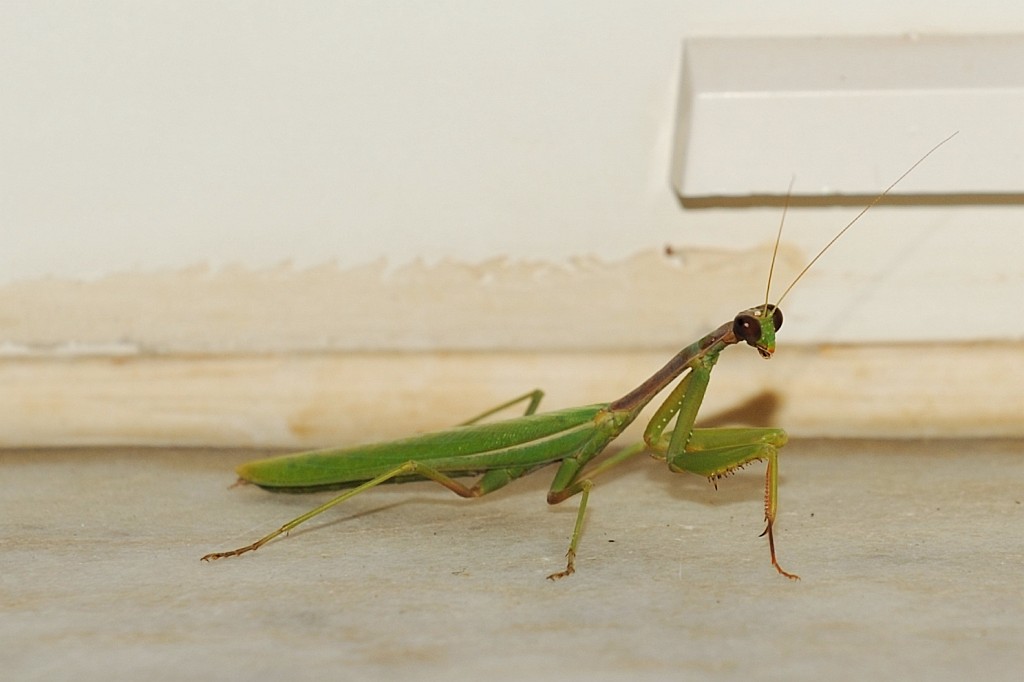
(757,326)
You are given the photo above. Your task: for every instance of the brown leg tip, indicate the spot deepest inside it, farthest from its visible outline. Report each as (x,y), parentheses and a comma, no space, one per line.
(791,576)
(569,570)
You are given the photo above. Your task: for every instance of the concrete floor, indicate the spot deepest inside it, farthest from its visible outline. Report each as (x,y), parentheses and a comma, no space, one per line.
(911,556)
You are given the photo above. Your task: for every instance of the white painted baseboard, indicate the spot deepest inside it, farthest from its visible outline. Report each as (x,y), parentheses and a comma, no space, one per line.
(323,399)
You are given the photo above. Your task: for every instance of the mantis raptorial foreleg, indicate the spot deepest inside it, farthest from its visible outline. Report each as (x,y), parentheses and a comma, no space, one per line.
(715,453)
(712,453)
(707,456)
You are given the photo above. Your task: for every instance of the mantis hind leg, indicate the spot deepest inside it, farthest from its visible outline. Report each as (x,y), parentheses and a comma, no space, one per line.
(716,453)
(489,482)
(534,397)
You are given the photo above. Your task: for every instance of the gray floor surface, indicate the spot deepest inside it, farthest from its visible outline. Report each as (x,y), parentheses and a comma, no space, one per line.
(911,554)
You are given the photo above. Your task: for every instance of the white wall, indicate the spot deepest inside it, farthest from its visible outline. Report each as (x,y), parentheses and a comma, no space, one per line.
(172,171)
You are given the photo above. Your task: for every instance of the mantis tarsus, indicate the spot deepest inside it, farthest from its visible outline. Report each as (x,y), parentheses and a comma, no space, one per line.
(503,451)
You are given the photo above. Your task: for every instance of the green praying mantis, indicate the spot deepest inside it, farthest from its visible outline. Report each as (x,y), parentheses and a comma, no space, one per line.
(500,452)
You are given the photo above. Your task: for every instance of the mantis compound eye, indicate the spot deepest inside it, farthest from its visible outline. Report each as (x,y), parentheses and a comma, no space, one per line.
(747,328)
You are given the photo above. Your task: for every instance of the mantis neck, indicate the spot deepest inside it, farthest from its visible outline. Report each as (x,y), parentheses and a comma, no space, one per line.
(706,349)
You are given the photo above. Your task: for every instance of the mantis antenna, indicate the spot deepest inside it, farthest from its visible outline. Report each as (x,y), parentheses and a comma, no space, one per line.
(841,232)
(778,238)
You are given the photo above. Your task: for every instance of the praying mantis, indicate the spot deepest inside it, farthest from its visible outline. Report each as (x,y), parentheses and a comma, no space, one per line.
(503,451)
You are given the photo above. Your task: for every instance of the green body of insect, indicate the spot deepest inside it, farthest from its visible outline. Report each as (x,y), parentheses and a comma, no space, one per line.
(506,450)
(503,451)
